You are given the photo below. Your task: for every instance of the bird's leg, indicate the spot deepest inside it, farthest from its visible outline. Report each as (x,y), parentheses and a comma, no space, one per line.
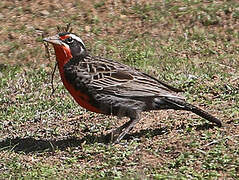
(119,129)
(128,126)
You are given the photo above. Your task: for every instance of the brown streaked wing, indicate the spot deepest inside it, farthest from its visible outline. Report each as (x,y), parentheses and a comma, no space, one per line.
(131,83)
(111,77)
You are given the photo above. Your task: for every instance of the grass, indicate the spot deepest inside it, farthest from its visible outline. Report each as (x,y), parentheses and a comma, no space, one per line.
(192,45)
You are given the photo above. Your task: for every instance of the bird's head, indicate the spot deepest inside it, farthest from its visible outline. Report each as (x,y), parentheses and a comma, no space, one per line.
(66,46)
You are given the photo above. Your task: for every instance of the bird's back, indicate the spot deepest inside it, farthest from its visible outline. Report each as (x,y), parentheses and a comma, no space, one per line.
(113,86)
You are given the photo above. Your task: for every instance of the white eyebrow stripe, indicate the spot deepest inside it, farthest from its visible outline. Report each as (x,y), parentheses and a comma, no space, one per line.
(77,38)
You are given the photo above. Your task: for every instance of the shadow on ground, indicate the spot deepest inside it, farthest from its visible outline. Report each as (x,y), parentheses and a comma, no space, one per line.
(30,144)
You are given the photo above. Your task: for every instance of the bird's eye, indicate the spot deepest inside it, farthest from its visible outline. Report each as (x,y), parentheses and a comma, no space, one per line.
(69,40)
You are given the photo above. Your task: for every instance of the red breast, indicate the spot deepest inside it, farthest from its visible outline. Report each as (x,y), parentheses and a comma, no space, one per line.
(63,55)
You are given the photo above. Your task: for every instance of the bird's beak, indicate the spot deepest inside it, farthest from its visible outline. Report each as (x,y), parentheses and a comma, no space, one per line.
(53,40)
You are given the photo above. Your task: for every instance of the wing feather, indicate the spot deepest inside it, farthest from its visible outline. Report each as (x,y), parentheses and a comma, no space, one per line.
(109,77)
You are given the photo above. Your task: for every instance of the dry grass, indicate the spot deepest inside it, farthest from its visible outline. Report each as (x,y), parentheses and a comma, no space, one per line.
(193,45)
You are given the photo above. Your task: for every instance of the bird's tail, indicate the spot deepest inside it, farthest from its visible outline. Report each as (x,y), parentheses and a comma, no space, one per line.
(179,104)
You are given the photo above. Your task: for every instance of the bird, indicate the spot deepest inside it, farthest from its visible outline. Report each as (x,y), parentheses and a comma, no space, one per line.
(106,86)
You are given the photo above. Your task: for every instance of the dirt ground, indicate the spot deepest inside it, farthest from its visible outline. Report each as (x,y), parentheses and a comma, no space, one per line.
(186,37)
